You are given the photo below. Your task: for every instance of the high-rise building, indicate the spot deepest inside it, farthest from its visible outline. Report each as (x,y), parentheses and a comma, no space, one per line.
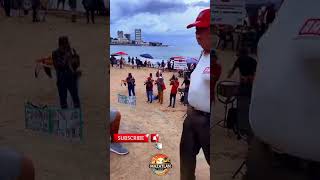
(120,34)
(138,36)
(127,36)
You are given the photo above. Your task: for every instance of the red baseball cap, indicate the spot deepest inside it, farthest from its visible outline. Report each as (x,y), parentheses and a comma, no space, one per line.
(202,21)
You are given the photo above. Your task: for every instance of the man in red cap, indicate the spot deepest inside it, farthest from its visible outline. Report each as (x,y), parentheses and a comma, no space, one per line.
(196,126)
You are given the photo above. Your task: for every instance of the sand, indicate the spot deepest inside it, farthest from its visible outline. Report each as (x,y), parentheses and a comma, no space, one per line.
(227,152)
(21,43)
(149,118)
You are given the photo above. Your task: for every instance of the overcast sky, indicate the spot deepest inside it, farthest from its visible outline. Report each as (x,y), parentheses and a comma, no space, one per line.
(160,20)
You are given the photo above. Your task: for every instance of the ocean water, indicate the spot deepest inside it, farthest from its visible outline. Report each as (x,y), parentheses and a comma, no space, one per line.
(158,53)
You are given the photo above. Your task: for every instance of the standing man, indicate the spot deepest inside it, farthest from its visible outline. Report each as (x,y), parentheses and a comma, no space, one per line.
(35,10)
(132,62)
(160,86)
(90,6)
(73,7)
(112,60)
(137,62)
(67,78)
(186,84)
(59,2)
(174,90)
(149,88)
(247,68)
(7,7)
(196,126)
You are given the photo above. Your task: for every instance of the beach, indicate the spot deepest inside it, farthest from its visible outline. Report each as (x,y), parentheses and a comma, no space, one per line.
(149,118)
(21,43)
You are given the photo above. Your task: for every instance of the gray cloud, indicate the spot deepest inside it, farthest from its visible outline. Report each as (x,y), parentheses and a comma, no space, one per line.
(128,9)
(202,4)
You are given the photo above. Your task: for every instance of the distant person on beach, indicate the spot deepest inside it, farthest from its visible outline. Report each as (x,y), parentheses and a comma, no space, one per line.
(145,63)
(163,65)
(168,65)
(132,62)
(66,61)
(196,126)
(158,73)
(129,60)
(161,87)
(174,90)
(149,88)
(137,63)
(35,10)
(14,165)
(90,6)
(63,2)
(112,60)
(131,84)
(115,119)
(172,78)
(121,62)
(186,83)
(7,7)
(73,7)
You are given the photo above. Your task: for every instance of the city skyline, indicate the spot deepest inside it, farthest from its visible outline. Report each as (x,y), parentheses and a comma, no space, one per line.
(161,21)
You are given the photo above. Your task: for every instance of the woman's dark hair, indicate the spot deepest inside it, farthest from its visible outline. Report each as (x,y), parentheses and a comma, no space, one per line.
(173,77)
(64,42)
(130,75)
(150,75)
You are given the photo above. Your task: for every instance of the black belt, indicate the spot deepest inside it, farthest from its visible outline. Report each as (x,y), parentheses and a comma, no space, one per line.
(200,112)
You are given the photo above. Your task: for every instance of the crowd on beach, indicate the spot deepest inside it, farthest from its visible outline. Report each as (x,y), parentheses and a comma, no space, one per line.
(158,83)
(136,62)
(40,8)
(250,32)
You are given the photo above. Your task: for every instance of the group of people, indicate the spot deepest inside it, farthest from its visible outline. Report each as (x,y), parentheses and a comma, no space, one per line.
(90,6)
(257,25)
(159,83)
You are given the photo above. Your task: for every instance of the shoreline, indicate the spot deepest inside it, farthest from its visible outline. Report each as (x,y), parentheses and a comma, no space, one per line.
(137,45)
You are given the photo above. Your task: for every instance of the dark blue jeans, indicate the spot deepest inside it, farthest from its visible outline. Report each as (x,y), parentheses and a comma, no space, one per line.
(131,89)
(68,84)
(150,96)
(173,97)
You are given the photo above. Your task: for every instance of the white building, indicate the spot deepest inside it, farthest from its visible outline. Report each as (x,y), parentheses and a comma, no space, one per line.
(138,36)
(120,34)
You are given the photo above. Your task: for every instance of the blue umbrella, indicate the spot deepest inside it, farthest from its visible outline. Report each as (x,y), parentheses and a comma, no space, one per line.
(191,60)
(146,56)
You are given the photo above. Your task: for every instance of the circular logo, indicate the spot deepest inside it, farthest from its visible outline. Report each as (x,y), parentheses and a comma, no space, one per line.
(160,164)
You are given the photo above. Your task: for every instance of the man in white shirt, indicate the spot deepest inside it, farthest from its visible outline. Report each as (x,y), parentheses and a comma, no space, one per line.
(196,126)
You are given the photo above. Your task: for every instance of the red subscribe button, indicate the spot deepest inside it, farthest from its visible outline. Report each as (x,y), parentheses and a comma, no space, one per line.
(126,138)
